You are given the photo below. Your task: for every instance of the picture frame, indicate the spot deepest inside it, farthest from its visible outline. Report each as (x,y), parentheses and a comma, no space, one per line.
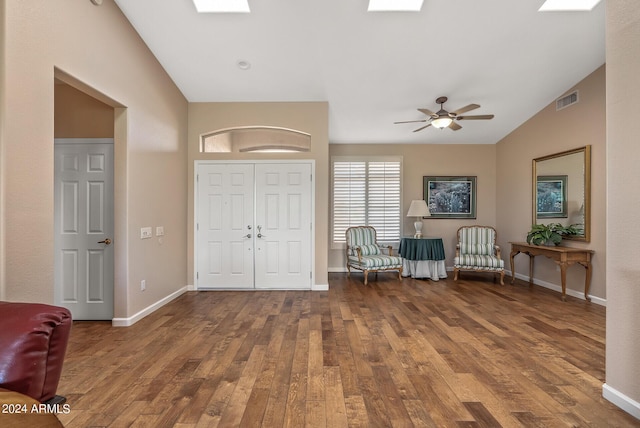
(551,196)
(450,196)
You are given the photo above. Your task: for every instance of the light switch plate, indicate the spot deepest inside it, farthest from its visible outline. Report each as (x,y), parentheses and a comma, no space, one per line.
(160,231)
(146,233)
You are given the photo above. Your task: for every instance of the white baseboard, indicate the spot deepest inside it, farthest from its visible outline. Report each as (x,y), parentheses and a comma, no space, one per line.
(126,322)
(619,399)
(320,287)
(573,293)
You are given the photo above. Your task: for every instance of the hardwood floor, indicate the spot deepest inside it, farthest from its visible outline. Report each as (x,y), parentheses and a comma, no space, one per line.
(411,353)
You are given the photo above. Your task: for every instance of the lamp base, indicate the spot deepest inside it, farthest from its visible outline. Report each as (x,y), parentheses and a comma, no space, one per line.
(418,226)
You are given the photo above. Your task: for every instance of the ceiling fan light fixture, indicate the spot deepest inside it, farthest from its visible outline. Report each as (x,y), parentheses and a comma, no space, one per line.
(441,122)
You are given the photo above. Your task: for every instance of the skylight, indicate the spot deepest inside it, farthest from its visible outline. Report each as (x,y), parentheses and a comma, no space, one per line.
(568,5)
(395,5)
(222,6)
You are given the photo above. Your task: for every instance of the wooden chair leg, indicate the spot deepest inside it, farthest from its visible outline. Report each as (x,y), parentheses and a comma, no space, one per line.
(455,274)
(501,277)
(366,274)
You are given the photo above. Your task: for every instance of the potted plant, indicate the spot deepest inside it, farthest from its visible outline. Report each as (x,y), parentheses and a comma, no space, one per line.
(549,234)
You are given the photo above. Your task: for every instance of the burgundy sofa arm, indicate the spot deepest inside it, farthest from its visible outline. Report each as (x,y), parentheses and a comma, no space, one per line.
(33,342)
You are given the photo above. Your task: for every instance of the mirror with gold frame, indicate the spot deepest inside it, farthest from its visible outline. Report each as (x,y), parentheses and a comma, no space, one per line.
(562,190)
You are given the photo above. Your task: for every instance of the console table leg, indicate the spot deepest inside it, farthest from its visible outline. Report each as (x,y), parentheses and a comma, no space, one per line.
(563,278)
(587,281)
(531,259)
(513,270)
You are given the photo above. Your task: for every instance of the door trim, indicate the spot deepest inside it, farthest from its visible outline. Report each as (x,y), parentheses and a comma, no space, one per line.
(311,162)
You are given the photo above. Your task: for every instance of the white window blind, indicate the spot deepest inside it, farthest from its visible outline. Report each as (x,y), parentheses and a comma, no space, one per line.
(367,192)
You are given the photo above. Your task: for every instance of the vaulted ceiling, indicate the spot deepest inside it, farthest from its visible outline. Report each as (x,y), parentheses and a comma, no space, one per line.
(376,68)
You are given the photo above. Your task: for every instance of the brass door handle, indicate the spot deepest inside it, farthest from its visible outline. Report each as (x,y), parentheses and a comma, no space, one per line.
(106,241)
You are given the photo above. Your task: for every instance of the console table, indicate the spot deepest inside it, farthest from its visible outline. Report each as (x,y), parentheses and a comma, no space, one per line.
(423,258)
(562,256)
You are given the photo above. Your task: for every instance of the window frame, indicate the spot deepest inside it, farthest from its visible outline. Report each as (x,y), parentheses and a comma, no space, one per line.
(341,244)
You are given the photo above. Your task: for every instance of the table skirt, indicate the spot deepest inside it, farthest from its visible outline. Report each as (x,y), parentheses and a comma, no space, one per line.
(433,269)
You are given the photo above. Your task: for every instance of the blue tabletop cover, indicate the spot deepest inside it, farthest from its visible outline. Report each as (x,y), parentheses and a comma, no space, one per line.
(422,249)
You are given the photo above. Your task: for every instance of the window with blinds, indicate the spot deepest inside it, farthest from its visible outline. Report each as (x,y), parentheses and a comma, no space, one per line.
(367,191)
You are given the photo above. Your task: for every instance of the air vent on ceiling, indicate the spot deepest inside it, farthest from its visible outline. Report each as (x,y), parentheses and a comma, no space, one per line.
(567,100)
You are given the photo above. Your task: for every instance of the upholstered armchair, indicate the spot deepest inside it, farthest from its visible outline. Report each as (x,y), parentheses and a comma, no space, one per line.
(33,343)
(477,251)
(364,253)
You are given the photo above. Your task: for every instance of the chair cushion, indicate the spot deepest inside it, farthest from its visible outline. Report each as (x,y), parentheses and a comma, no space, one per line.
(476,261)
(379,261)
(482,249)
(368,250)
(477,240)
(359,236)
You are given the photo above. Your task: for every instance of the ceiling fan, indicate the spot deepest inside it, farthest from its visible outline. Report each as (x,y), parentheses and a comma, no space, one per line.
(444,119)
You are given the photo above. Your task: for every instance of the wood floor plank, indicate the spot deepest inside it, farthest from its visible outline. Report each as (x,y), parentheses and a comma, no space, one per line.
(393,353)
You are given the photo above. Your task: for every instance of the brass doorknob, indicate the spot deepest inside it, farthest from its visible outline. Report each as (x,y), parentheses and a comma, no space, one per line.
(106,241)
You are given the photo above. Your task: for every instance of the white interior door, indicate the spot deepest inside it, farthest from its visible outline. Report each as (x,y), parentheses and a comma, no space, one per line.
(283,226)
(224,225)
(84,259)
(242,244)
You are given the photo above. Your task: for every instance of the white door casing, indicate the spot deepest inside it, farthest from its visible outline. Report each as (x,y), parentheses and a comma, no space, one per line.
(262,238)
(83,218)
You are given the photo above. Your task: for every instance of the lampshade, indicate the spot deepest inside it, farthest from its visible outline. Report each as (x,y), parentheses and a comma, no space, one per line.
(441,122)
(418,208)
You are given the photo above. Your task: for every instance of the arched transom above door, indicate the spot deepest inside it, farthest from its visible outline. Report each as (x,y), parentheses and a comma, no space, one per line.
(255,139)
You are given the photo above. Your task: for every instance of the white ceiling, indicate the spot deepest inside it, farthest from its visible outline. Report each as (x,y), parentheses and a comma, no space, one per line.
(377,68)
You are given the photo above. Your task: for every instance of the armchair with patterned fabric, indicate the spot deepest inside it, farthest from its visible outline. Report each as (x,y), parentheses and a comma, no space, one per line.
(477,251)
(364,253)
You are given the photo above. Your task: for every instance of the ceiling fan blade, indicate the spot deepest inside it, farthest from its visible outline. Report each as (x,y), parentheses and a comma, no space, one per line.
(420,129)
(477,117)
(411,121)
(465,109)
(454,126)
(427,112)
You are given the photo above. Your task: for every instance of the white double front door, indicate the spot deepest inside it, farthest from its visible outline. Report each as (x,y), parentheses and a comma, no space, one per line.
(253,225)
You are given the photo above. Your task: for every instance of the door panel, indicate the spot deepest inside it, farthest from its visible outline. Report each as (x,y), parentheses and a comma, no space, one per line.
(225,211)
(283,218)
(84,267)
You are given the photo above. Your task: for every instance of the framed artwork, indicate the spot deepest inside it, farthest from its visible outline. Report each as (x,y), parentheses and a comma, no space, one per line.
(450,197)
(551,196)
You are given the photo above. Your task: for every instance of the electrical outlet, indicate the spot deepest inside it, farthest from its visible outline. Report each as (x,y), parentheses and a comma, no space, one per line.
(160,231)
(143,285)
(146,233)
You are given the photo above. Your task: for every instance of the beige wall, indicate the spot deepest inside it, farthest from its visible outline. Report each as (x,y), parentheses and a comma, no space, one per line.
(78,115)
(433,159)
(311,117)
(549,132)
(97,46)
(623,204)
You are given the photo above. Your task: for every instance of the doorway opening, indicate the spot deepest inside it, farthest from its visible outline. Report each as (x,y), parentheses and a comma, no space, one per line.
(90,141)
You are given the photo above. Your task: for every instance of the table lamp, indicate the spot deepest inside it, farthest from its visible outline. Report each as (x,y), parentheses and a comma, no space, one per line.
(418,209)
